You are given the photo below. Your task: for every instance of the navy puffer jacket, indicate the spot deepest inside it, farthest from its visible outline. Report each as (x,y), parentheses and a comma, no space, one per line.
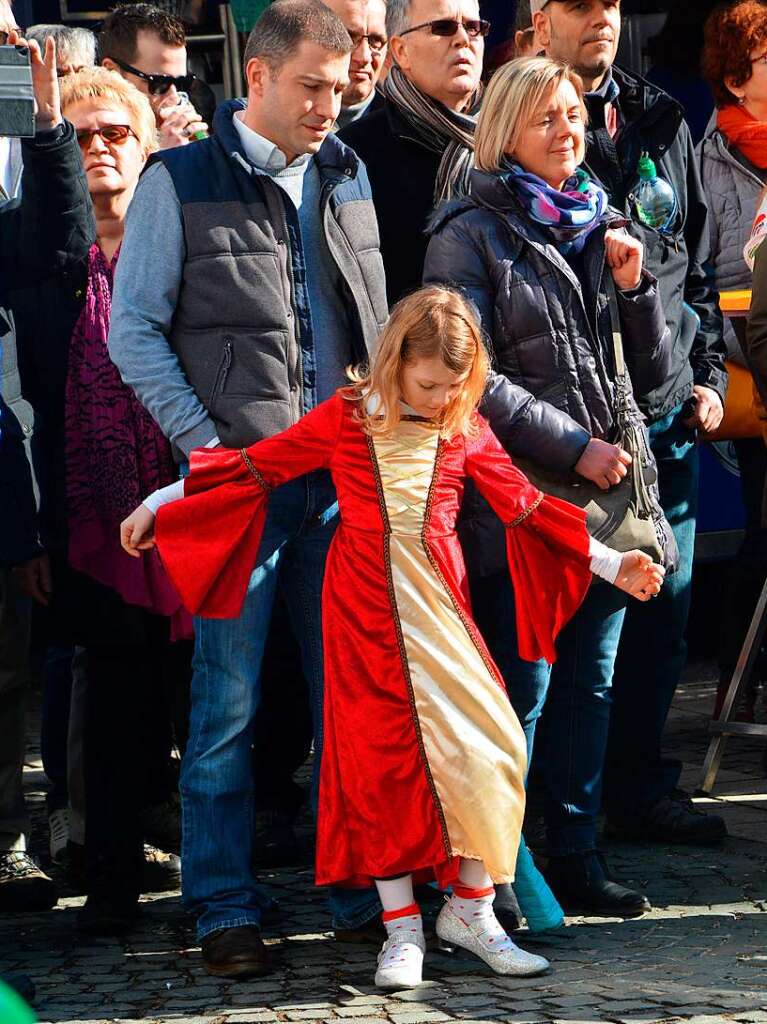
(549,326)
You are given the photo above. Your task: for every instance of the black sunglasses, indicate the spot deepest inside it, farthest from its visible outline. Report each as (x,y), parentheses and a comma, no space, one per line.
(158,85)
(449,26)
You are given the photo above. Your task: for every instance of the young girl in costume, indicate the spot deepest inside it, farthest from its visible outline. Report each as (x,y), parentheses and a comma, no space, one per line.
(423,765)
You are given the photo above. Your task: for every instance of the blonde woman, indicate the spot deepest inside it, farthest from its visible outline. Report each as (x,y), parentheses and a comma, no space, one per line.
(424,760)
(97,452)
(534,247)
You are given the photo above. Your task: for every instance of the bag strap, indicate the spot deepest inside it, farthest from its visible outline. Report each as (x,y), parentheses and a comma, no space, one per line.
(615,328)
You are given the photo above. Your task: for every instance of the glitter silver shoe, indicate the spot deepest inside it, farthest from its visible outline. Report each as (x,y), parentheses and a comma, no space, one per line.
(400,962)
(486,939)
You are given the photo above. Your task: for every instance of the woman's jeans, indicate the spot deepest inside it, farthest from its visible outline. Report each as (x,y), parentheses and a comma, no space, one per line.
(216,777)
(653,648)
(576,695)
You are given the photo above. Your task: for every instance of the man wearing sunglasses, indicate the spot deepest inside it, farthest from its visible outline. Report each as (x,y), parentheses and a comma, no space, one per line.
(418,147)
(147,46)
(365,21)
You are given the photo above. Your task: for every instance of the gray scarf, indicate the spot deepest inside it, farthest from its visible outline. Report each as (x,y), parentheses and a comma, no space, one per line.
(439,129)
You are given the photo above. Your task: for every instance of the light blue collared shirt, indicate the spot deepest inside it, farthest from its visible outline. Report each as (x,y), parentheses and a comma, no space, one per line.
(269,158)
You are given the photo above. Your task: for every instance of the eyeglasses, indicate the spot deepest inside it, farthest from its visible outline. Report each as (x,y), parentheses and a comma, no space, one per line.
(449,26)
(375,42)
(760,60)
(158,85)
(112,134)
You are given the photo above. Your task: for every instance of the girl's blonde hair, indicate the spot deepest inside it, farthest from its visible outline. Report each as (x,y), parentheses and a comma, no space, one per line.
(434,321)
(511,99)
(113,91)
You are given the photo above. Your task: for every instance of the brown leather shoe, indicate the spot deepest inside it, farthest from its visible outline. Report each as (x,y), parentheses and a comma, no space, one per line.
(236,953)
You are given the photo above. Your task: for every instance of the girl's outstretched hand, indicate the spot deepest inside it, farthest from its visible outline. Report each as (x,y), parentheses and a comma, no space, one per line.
(640,576)
(137,531)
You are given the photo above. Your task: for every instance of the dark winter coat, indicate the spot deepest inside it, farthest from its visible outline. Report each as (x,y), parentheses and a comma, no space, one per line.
(44,234)
(402,172)
(549,327)
(653,122)
(18,530)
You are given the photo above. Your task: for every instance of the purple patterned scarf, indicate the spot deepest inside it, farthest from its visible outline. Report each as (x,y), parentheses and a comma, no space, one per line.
(115,456)
(569,215)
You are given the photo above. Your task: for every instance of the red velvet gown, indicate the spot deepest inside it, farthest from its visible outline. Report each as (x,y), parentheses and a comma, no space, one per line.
(423,758)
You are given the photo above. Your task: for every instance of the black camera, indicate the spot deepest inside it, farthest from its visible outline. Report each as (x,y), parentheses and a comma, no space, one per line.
(17,100)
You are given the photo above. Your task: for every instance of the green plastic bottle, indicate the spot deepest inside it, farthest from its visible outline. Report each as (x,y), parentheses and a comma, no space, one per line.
(13,1009)
(655,198)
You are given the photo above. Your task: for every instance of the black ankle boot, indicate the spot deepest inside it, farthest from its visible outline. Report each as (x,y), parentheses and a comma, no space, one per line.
(582,884)
(108,912)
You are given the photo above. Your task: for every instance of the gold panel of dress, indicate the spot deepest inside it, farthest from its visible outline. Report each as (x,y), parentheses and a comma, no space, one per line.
(472,742)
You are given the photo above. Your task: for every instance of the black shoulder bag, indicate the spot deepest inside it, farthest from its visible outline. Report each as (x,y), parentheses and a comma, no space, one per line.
(629,515)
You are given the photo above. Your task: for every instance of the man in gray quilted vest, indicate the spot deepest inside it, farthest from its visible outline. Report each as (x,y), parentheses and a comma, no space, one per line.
(250,278)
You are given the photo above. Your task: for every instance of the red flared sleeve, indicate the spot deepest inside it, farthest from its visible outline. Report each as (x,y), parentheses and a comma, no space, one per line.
(209,540)
(547,546)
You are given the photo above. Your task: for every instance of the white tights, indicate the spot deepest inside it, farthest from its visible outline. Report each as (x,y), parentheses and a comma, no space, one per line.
(396,893)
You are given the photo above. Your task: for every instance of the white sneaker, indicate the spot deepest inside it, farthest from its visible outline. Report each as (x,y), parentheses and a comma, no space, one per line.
(58,828)
(400,962)
(481,933)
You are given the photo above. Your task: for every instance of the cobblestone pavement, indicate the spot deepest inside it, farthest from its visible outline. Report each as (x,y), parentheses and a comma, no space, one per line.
(700,956)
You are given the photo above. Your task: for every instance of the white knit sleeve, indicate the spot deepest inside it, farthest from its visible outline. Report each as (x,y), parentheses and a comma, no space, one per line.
(605,562)
(165,495)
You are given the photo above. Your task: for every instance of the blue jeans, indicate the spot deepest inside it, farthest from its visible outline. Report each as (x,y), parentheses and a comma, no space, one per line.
(573,695)
(653,648)
(216,777)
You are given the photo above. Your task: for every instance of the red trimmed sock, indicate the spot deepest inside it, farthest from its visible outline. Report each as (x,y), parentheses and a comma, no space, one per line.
(412,910)
(465,892)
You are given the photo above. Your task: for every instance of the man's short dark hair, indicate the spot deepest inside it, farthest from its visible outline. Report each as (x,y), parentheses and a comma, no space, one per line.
(287,23)
(523,19)
(118,38)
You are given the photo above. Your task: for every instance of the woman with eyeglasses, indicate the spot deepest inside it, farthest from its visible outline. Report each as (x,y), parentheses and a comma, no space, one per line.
(97,450)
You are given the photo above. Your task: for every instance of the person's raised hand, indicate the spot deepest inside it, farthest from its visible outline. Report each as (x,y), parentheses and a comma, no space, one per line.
(178,123)
(707,410)
(137,531)
(603,463)
(624,257)
(639,576)
(45,81)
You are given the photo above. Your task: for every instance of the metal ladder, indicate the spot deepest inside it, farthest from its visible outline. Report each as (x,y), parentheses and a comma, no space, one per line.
(721,728)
